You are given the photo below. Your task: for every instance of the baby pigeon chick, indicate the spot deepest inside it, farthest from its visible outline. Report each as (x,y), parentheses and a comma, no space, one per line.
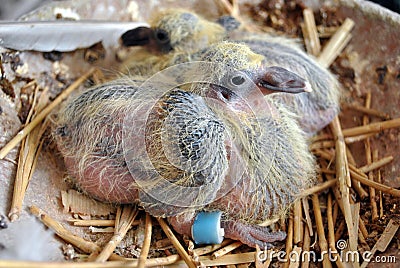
(210,146)
(315,110)
(171,31)
(175,30)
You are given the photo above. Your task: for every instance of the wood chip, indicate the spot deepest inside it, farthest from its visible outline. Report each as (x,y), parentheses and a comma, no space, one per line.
(384,240)
(76,202)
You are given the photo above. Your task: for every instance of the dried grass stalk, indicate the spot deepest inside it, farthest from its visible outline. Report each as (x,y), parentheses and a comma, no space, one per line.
(247,265)
(368,156)
(310,33)
(339,230)
(343,175)
(338,197)
(306,247)
(356,184)
(29,152)
(320,230)
(376,164)
(42,115)
(146,243)
(82,244)
(98,223)
(163,243)
(156,262)
(181,251)
(379,186)
(325,144)
(361,177)
(225,250)
(331,231)
(233,10)
(319,187)
(322,144)
(101,230)
(354,139)
(336,44)
(298,222)
(326,32)
(375,156)
(208,249)
(295,263)
(306,209)
(371,128)
(123,222)
(289,241)
(230,259)
(367,110)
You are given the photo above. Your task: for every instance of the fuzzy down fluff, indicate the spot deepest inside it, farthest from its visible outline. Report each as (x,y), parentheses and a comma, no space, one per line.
(210,158)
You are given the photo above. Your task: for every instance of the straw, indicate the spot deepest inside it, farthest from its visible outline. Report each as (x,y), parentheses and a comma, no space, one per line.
(181,251)
(42,115)
(310,33)
(123,222)
(146,243)
(336,44)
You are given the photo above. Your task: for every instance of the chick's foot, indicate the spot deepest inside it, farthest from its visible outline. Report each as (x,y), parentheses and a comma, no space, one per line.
(251,234)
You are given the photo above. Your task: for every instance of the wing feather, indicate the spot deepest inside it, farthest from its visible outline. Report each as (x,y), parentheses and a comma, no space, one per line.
(62,36)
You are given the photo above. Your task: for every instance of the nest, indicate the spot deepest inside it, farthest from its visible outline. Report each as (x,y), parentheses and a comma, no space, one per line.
(352,209)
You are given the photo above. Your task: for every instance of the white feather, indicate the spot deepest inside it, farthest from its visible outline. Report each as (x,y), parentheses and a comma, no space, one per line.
(62,35)
(31,242)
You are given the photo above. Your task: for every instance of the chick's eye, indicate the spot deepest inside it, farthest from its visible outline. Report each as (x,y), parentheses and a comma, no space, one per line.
(161,36)
(238,80)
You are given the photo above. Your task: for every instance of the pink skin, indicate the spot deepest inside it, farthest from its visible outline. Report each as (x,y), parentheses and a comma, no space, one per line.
(122,192)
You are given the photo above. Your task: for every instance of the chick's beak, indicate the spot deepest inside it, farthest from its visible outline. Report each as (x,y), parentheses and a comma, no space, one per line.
(137,37)
(277,79)
(155,40)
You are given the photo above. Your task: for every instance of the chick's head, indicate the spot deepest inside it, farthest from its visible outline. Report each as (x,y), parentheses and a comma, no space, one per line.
(251,78)
(175,30)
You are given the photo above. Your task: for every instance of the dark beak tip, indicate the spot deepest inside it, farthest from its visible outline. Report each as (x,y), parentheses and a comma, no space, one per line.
(136,37)
(279,79)
(297,86)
